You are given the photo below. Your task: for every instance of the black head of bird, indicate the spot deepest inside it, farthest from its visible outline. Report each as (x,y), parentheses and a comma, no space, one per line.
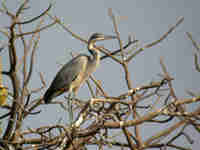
(97,37)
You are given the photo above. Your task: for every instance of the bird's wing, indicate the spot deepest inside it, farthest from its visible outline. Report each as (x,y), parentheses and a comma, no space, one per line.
(69,72)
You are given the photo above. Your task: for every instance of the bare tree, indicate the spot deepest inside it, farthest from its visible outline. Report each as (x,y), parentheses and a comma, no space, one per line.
(99,116)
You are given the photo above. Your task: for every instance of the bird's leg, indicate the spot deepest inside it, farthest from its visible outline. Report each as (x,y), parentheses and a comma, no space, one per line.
(69,107)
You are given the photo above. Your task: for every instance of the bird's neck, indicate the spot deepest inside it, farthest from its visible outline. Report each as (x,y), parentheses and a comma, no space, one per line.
(96,56)
(95,53)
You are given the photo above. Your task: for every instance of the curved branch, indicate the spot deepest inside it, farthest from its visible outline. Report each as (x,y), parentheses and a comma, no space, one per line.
(164,36)
(37,30)
(21,8)
(37,17)
(67,29)
(31,63)
(117,51)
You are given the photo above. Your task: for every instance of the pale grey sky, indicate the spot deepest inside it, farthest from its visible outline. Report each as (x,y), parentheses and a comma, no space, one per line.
(147,20)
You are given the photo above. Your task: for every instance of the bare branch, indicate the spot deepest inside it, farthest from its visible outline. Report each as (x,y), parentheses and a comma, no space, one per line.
(37,17)
(37,30)
(164,36)
(189,35)
(116,31)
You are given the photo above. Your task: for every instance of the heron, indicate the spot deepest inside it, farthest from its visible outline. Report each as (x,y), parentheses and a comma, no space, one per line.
(74,73)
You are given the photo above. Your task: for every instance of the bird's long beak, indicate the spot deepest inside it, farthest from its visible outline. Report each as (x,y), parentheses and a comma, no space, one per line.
(109,37)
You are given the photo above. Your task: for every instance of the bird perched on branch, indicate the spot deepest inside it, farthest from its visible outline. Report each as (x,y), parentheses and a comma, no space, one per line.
(76,71)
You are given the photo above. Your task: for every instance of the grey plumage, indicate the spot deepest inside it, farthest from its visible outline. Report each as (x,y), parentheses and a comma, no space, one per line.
(76,71)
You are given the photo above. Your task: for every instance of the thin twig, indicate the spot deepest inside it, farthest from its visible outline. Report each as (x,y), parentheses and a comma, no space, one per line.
(37,17)
(37,30)
(164,36)
(116,31)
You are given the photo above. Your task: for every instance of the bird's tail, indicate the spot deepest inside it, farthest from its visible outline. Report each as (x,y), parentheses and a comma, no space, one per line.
(48,96)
